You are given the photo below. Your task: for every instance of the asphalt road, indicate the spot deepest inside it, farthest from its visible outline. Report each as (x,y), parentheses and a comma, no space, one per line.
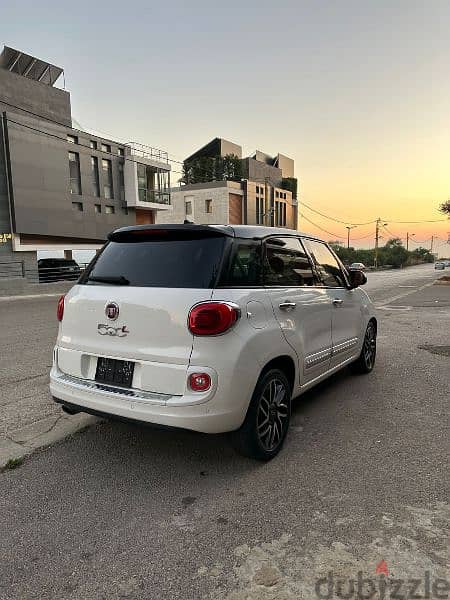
(121,511)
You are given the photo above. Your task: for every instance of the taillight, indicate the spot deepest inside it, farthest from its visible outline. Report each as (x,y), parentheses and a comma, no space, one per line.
(199,382)
(60,309)
(212,318)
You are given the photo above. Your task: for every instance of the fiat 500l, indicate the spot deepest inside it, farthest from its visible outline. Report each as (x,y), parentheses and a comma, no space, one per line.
(210,328)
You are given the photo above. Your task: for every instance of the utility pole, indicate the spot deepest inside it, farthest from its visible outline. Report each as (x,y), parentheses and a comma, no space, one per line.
(377,236)
(431,247)
(348,227)
(377,239)
(408,235)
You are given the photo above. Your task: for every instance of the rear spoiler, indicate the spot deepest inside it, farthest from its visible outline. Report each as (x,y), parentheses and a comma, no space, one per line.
(138,233)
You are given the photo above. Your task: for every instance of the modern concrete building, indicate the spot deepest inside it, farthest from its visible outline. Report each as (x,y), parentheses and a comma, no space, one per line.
(262,190)
(62,188)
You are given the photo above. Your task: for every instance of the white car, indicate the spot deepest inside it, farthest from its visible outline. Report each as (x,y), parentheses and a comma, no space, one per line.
(209,328)
(357,266)
(439,265)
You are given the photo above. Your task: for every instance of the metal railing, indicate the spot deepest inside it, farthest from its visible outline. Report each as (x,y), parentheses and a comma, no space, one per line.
(152,196)
(144,151)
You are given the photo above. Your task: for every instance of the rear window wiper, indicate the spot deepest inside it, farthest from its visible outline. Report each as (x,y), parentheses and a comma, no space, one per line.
(117,279)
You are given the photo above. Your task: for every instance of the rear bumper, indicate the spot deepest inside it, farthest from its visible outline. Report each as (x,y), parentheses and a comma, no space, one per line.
(215,415)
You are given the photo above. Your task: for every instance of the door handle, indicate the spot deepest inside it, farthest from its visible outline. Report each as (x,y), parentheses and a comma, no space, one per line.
(287,305)
(337,301)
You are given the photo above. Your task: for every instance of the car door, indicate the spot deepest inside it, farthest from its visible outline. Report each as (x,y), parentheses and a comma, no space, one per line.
(347,318)
(302,308)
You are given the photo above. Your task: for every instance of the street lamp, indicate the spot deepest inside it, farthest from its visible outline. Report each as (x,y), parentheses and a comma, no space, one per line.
(348,227)
(408,235)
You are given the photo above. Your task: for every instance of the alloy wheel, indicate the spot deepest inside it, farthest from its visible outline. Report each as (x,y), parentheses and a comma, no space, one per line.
(273,414)
(370,346)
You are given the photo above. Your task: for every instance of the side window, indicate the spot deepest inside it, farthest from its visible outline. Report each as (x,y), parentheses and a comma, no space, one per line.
(327,266)
(245,265)
(286,263)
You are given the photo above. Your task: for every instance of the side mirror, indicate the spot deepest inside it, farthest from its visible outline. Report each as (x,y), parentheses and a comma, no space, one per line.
(357,278)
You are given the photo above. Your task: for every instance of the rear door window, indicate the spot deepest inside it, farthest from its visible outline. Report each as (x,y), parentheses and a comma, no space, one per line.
(286,263)
(168,261)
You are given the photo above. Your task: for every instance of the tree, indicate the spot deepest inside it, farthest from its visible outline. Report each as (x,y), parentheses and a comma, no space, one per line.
(393,253)
(445,207)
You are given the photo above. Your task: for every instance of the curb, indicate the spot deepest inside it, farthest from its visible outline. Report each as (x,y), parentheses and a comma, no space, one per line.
(16,445)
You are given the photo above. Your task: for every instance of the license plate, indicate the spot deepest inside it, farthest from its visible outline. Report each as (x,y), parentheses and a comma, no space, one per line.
(114,372)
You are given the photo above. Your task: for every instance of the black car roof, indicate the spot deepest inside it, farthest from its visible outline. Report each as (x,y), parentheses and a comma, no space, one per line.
(240,231)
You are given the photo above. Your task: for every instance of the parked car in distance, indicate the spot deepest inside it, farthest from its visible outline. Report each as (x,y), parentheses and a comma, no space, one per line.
(357,266)
(439,265)
(209,328)
(446,263)
(58,269)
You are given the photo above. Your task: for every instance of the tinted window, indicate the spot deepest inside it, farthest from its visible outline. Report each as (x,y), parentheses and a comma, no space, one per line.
(245,266)
(327,266)
(173,263)
(286,263)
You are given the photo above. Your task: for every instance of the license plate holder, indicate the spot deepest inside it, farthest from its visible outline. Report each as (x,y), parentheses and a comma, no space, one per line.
(111,371)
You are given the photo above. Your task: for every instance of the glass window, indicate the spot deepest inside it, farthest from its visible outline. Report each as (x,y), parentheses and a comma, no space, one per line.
(109,209)
(173,260)
(245,265)
(208,206)
(95,177)
(77,206)
(74,173)
(327,266)
(93,144)
(106,148)
(121,182)
(72,139)
(108,190)
(260,211)
(188,207)
(286,263)
(120,151)
(98,208)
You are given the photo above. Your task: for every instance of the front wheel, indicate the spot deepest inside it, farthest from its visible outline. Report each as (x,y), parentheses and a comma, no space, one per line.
(265,427)
(366,360)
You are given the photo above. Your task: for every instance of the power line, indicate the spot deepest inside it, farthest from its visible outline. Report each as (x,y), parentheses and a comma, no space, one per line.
(321,228)
(334,219)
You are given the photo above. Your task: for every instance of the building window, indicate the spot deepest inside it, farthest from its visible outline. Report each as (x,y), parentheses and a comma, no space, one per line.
(98,208)
(93,144)
(284,215)
(109,210)
(74,173)
(77,206)
(188,207)
(72,139)
(121,182)
(260,211)
(106,148)
(277,194)
(257,189)
(208,206)
(120,151)
(108,190)
(95,177)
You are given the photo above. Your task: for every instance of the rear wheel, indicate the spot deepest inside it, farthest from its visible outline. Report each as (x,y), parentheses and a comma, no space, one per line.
(265,427)
(366,360)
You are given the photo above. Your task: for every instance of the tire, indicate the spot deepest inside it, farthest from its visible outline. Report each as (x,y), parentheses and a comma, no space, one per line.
(265,427)
(366,360)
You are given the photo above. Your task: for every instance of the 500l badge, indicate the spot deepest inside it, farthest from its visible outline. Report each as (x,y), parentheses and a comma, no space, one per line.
(104,329)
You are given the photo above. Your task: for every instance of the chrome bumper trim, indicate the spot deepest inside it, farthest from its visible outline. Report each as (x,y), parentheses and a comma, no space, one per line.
(119,392)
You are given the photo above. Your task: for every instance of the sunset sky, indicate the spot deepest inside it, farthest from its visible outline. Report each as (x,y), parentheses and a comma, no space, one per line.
(356,91)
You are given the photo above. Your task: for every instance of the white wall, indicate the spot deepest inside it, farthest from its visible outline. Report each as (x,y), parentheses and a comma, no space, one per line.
(220,206)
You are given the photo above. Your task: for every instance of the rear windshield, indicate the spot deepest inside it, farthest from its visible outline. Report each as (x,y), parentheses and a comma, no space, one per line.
(171,263)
